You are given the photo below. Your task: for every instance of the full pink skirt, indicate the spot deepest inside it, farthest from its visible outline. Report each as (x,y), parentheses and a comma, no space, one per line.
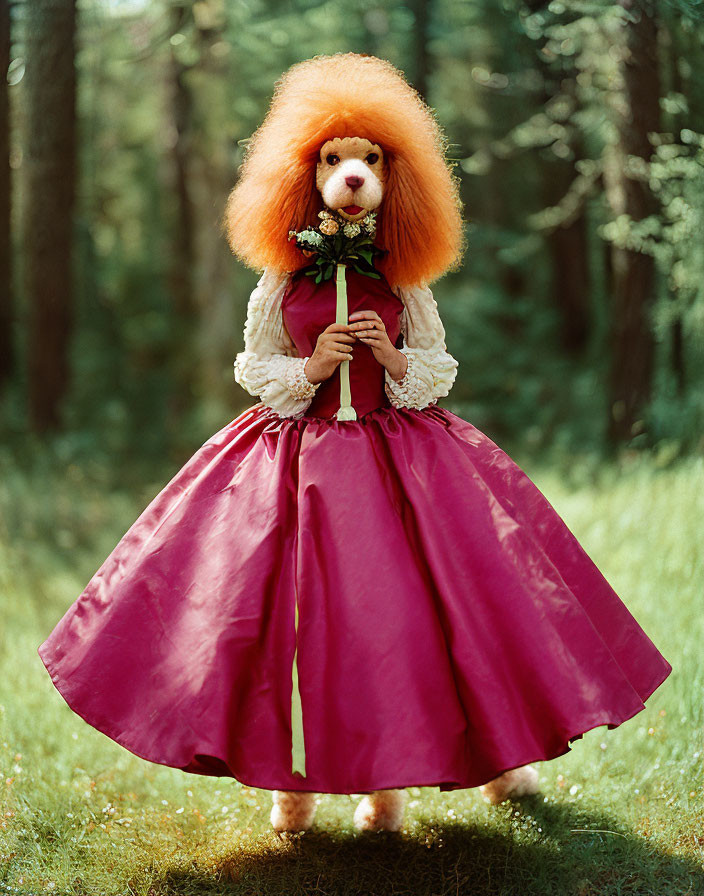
(450,625)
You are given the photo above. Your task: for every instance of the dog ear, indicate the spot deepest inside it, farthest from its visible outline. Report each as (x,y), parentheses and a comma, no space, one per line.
(418,223)
(262,209)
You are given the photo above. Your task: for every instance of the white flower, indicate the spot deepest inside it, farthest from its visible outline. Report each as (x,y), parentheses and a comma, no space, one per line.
(311,237)
(351,229)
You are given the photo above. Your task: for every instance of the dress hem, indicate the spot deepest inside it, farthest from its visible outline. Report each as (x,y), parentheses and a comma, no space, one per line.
(445,784)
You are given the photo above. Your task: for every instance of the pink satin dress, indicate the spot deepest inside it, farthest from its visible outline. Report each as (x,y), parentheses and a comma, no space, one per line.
(450,625)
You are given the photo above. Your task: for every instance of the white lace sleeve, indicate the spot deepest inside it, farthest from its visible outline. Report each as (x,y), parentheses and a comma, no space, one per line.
(431,369)
(269,366)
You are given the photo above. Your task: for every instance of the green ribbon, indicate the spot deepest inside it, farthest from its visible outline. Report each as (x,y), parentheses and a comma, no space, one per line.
(298,750)
(345,411)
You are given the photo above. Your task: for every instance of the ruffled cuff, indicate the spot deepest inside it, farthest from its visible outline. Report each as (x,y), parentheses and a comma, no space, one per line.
(278,380)
(429,376)
(296,380)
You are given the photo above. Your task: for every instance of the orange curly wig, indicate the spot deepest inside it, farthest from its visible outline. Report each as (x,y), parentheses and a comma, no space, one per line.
(348,95)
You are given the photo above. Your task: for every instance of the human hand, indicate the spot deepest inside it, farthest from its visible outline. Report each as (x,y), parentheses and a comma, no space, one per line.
(333,347)
(369,328)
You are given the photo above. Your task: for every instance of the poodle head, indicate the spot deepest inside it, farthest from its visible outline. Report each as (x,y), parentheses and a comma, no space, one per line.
(348,132)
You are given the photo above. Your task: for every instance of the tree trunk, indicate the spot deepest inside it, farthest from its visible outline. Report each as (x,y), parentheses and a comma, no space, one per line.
(632,345)
(567,243)
(50,175)
(182,262)
(211,180)
(569,255)
(673,123)
(421,57)
(7,355)
(570,267)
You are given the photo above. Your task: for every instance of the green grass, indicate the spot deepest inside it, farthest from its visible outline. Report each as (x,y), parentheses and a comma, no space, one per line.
(623,813)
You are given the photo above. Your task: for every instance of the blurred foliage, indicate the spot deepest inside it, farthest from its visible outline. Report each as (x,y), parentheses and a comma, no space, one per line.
(524,89)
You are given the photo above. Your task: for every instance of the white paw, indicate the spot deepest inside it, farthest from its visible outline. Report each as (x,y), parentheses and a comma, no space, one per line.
(292,810)
(381,810)
(514,783)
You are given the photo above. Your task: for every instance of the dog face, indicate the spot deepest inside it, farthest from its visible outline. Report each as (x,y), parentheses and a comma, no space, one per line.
(350,176)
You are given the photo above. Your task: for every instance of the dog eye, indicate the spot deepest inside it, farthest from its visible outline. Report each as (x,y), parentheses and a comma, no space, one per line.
(332,159)
(372,158)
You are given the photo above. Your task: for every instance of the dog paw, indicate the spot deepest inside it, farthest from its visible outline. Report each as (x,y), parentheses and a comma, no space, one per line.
(514,783)
(292,810)
(381,810)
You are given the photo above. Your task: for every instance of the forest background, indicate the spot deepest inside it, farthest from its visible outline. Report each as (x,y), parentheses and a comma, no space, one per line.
(576,128)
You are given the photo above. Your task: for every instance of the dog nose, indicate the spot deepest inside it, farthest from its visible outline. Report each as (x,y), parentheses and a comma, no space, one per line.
(354,181)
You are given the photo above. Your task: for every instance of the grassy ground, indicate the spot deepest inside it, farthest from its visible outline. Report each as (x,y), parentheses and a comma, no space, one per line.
(623,813)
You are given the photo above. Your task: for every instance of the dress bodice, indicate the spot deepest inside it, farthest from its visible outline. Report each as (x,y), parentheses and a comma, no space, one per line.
(308,308)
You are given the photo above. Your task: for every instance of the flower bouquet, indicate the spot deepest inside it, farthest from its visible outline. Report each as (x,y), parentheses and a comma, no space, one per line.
(338,241)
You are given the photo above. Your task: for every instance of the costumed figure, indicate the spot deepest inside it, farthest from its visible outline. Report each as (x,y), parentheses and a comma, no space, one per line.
(349,588)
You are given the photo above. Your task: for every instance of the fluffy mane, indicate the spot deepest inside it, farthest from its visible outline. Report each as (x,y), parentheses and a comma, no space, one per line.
(347,95)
